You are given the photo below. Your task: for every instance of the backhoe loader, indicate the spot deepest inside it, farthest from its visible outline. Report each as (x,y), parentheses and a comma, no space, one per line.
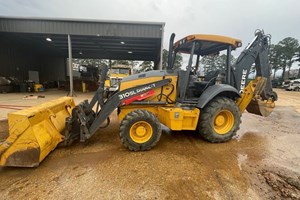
(179,99)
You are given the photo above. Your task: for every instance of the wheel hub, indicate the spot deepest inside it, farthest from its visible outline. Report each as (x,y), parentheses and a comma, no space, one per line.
(223,122)
(141,131)
(220,119)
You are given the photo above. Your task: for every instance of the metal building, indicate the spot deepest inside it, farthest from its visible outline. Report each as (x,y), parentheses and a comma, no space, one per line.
(42,45)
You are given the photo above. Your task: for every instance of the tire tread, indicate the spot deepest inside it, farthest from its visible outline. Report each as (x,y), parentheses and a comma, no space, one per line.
(135,116)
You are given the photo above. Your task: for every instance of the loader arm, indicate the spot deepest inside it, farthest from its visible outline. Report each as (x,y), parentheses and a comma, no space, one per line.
(257,95)
(85,121)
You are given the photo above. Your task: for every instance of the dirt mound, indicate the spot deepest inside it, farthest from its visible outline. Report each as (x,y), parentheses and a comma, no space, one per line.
(283,186)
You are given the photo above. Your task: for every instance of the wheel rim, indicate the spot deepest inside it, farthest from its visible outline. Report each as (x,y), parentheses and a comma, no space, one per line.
(141,132)
(223,122)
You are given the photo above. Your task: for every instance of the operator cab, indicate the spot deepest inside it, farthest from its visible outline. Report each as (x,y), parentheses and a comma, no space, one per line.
(190,84)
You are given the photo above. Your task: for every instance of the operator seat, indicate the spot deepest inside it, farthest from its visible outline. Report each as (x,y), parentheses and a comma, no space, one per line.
(209,80)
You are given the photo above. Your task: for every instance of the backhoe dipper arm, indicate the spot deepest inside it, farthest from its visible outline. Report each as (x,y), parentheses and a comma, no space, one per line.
(255,53)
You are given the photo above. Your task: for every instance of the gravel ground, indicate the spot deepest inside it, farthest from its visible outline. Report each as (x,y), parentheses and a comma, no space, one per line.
(262,162)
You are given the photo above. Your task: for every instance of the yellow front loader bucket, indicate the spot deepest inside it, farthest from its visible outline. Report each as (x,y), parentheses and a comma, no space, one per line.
(35,132)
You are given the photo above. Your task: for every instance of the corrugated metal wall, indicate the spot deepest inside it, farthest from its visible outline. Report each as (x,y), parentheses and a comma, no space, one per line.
(52,68)
(16,60)
(60,26)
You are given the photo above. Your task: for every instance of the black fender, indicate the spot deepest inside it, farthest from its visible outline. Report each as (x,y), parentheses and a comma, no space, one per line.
(217,90)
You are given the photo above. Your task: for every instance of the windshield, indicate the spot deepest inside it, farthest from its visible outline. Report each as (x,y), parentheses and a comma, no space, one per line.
(119,71)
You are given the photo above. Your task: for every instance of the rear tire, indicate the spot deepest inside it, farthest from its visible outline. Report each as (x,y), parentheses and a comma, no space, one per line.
(219,120)
(140,130)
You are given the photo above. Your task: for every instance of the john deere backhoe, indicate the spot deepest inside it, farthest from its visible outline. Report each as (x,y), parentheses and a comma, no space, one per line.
(179,99)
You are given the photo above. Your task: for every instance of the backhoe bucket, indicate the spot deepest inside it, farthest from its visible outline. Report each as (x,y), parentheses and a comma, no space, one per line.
(35,132)
(262,108)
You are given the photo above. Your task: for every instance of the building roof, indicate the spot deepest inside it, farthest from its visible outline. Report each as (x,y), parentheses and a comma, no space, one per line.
(122,40)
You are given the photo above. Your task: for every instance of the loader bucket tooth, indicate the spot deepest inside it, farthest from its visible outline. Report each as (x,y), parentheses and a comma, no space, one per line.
(34,132)
(262,108)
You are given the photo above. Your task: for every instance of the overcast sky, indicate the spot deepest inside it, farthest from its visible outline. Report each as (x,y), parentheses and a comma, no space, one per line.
(235,18)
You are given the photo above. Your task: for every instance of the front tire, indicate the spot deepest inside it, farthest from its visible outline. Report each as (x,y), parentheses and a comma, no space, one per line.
(219,120)
(140,130)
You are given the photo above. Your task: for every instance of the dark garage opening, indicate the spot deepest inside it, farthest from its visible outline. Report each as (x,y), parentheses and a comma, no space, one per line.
(41,45)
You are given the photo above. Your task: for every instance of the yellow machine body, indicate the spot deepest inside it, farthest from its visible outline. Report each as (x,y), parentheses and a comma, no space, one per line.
(178,119)
(35,132)
(173,117)
(171,88)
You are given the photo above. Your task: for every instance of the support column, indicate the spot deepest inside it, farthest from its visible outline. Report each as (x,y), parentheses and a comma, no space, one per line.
(157,65)
(109,63)
(71,93)
(161,48)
